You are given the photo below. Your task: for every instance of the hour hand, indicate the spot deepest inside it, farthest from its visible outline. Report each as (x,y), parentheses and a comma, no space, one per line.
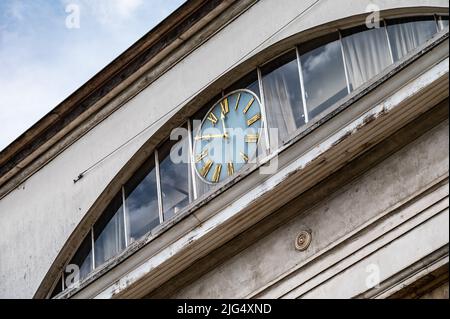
(208,137)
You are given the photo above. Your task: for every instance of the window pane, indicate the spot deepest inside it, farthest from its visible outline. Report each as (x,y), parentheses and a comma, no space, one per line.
(443,22)
(324,77)
(175,177)
(82,259)
(283,99)
(142,201)
(109,232)
(367,54)
(404,37)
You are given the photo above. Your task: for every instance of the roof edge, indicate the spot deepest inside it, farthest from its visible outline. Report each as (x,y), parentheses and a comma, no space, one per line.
(161,36)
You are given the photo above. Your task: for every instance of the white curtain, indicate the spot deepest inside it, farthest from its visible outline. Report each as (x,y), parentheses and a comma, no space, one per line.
(407,36)
(142,201)
(110,240)
(283,99)
(443,23)
(366,54)
(279,106)
(175,179)
(86,265)
(83,257)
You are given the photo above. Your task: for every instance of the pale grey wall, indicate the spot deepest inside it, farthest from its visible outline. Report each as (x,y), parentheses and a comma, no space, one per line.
(401,178)
(37,218)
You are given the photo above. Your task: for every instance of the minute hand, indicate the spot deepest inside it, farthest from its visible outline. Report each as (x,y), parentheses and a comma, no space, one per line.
(222,117)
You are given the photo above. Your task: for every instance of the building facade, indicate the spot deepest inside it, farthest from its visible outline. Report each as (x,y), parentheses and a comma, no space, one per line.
(243,149)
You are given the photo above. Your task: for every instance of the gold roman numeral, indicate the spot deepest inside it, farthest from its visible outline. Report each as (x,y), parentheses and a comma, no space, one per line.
(254,119)
(230,169)
(216,175)
(237,101)
(225,106)
(205,170)
(244,157)
(213,118)
(249,105)
(201,156)
(251,138)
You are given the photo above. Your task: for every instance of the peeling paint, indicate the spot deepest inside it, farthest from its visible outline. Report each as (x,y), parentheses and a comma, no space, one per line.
(250,198)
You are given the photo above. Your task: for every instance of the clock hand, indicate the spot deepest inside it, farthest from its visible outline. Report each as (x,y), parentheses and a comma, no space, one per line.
(208,137)
(230,167)
(222,117)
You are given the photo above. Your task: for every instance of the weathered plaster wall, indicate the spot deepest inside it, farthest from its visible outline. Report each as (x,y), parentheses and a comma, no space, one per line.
(440,292)
(400,179)
(37,218)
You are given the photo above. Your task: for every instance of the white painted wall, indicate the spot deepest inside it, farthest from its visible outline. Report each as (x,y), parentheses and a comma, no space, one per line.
(37,218)
(383,218)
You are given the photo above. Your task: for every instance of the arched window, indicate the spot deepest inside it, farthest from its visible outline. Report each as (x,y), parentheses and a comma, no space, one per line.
(293,88)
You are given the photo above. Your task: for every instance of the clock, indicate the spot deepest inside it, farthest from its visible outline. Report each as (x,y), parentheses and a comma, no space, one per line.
(228,136)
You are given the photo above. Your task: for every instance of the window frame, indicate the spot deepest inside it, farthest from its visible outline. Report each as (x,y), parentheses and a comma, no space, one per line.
(189,127)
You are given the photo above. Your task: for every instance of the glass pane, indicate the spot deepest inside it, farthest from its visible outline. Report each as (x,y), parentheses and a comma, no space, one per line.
(406,36)
(82,260)
(109,232)
(367,54)
(324,77)
(175,177)
(142,201)
(443,22)
(196,120)
(283,99)
(250,82)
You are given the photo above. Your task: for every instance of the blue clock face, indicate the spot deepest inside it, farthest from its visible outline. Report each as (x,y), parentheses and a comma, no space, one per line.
(228,136)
